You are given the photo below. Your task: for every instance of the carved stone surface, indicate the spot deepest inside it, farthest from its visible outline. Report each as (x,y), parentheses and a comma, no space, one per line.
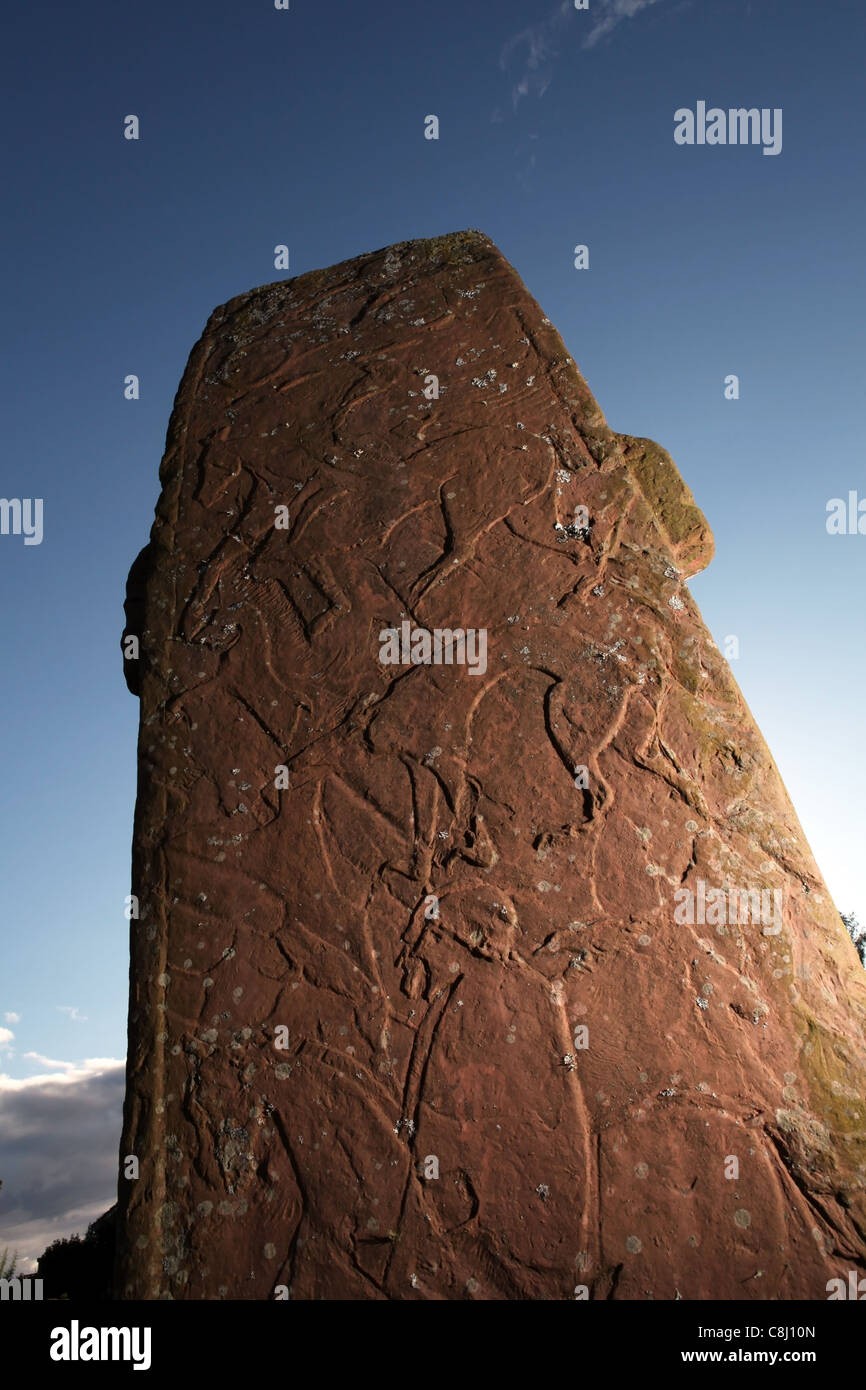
(426,1022)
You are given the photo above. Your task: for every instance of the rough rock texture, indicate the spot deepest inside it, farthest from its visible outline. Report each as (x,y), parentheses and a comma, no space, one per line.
(415,1036)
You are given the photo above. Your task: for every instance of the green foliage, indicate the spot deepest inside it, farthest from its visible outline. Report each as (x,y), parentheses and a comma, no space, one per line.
(856,933)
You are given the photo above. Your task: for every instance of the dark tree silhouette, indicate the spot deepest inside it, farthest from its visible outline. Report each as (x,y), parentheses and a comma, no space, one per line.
(81,1269)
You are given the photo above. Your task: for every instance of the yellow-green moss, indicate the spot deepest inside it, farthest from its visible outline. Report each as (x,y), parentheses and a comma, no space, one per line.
(824,1065)
(672,502)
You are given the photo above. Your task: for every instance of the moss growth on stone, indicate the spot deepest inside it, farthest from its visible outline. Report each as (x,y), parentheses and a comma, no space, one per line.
(671,500)
(829,1075)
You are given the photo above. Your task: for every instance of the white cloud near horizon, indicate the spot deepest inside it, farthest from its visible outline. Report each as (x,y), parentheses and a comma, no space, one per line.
(59,1151)
(12,1018)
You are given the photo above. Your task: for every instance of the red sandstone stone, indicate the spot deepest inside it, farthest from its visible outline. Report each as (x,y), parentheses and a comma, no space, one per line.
(424,1039)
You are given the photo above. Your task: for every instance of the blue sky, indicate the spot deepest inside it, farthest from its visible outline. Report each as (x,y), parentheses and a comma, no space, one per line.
(306,127)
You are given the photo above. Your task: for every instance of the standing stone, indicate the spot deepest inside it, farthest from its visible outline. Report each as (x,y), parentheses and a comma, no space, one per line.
(419,1016)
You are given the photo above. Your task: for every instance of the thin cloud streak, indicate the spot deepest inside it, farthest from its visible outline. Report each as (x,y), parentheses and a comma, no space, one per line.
(613,12)
(537,46)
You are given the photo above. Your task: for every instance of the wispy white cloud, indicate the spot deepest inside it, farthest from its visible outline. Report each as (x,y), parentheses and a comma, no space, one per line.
(607,14)
(532,53)
(50,1062)
(59,1142)
(12,1018)
(74,1015)
(65,1073)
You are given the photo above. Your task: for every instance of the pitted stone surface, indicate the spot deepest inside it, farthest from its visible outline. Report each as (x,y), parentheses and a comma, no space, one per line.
(422,1024)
